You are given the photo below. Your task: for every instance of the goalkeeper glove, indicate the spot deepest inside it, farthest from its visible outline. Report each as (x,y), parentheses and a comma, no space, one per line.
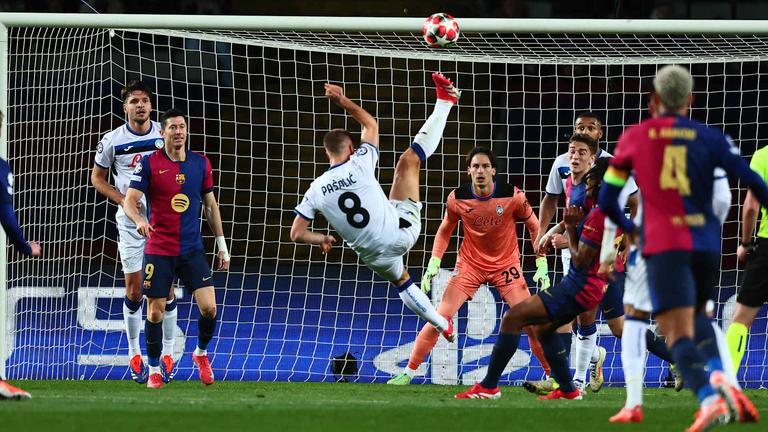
(432,269)
(541,277)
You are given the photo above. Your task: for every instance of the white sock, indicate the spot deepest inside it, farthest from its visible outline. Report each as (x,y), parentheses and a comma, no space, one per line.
(154,370)
(595,355)
(420,304)
(200,352)
(585,345)
(169,331)
(725,356)
(632,359)
(430,134)
(133,325)
(410,372)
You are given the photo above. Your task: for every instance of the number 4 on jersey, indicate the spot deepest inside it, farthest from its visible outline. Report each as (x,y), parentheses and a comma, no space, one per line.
(674,174)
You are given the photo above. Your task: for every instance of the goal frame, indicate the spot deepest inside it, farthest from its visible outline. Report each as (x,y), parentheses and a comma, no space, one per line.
(327,24)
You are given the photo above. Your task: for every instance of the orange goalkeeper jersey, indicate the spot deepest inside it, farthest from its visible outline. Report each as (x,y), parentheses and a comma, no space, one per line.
(490,234)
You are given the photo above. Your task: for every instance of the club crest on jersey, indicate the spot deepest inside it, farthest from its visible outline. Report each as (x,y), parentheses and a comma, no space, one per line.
(147,284)
(180,203)
(180,178)
(159,143)
(499,210)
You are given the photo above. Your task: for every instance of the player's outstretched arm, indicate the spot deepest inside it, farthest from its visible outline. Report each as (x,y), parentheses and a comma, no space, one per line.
(131,205)
(213,216)
(300,233)
(370,132)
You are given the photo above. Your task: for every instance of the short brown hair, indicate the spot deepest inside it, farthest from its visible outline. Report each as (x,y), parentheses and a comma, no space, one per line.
(586,139)
(481,150)
(132,86)
(334,140)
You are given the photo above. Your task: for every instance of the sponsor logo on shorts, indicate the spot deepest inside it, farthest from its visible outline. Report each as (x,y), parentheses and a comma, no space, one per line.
(180,203)
(147,284)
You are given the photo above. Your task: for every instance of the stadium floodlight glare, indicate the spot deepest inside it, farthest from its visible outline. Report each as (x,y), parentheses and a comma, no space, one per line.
(253,89)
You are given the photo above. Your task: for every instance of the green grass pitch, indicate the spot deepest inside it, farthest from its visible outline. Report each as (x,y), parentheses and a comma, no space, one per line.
(112,406)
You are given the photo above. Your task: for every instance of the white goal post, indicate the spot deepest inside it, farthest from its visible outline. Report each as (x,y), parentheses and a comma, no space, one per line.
(252,88)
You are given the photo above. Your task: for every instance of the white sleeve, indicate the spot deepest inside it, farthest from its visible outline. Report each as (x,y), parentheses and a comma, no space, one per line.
(554,182)
(306,207)
(366,157)
(105,153)
(721,195)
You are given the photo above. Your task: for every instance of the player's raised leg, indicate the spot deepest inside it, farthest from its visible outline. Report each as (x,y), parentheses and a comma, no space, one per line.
(405,184)
(405,188)
(206,325)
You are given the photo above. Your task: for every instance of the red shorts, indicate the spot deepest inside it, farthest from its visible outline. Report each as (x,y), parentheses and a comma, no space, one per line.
(508,281)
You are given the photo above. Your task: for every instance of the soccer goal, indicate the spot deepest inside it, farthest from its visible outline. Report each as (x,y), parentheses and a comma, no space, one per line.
(253,89)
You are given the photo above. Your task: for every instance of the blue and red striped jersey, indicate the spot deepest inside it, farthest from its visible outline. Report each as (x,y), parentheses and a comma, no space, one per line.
(591,283)
(673,159)
(174,191)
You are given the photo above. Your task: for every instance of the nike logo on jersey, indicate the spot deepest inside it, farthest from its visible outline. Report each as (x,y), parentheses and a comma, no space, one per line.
(164,171)
(469,210)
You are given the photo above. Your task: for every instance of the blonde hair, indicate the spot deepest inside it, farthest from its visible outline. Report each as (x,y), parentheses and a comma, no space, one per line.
(673,84)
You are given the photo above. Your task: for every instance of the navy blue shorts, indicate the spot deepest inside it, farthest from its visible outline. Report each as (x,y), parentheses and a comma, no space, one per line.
(682,279)
(161,270)
(612,304)
(560,302)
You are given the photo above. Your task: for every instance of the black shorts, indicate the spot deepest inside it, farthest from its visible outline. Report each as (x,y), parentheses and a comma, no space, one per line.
(161,270)
(754,287)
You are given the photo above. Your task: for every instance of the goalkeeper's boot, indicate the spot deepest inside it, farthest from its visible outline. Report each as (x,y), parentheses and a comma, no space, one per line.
(401,380)
(542,387)
(559,394)
(479,392)
(446,91)
(449,334)
(628,415)
(204,366)
(155,381)
(139,370)
(708,416)
(596,378)
(741,408)
(166,368)
(8,391)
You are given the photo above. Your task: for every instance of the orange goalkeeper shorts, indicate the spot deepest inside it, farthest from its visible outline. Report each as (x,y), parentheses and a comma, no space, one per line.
(508,281)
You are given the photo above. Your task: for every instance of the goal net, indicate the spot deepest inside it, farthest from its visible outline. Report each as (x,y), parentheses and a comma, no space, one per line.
(256,107)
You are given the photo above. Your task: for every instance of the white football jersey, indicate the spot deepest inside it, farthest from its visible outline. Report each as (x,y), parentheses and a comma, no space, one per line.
(121,149)
(558,176)
(351,199)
